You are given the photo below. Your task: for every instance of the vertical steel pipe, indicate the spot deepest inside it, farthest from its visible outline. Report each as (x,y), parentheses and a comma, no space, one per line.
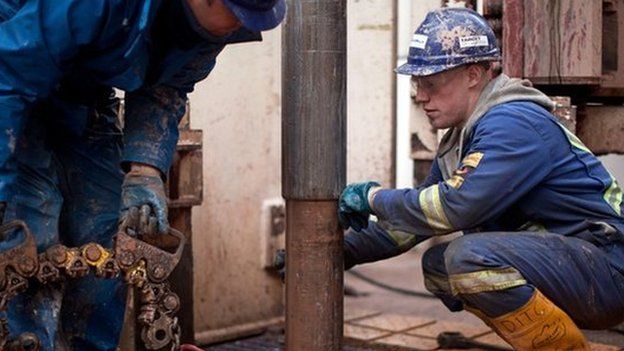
(314,273)
(313,170)
(314,65)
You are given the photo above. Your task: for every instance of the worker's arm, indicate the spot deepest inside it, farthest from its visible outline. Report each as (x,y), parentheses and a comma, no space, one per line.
(153,112)
(152,115)
(375,242)
(507,157)
(151,119)
(38,42)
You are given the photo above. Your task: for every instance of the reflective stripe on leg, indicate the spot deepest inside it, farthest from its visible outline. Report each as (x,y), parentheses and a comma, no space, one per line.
(486,280)
(437,284)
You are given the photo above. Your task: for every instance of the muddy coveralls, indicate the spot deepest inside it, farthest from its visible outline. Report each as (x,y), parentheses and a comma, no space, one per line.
(539,212)
(62,151)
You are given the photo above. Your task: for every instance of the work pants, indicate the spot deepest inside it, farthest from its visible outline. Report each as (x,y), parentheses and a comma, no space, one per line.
(497,272)
(68,191)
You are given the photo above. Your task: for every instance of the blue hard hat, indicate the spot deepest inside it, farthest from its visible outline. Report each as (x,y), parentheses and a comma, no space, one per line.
(258,15)
(447,38)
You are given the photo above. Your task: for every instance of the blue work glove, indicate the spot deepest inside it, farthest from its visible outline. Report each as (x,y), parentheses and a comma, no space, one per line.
(143,205)
(353,206)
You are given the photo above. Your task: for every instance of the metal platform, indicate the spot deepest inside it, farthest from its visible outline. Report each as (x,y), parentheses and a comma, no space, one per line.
(378,319)
(369,331)
(270,341)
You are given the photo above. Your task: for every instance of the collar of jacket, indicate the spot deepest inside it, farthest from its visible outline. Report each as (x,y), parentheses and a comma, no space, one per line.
(499,90)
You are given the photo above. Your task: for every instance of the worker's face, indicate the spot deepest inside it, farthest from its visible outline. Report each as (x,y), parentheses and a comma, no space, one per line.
(444,97)
(215,17)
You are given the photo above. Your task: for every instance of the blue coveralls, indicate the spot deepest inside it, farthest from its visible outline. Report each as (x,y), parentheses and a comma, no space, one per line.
(539,210)
(62,150)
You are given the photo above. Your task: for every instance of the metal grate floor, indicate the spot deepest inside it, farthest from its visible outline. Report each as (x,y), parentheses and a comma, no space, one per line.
(269,341)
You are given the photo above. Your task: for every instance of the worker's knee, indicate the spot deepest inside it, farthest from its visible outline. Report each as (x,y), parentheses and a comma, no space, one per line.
(39,208)
(471,253)
(433,260)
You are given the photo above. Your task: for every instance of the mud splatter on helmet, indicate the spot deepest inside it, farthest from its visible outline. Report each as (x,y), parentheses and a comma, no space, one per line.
(447,38)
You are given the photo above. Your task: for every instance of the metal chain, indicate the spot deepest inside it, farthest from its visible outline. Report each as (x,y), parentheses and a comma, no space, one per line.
(144,267)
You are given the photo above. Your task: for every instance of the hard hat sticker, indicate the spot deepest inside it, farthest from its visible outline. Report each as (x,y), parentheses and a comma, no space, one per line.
(473,41)
(419,41)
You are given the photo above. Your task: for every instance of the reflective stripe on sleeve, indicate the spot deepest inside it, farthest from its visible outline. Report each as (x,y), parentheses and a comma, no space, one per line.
(431,205)
(402,239)
(574,140)
(613,196)
(488,280)
(455,181)
(473,159)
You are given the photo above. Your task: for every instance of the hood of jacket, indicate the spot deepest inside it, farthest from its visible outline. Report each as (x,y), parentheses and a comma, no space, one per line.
(498,91)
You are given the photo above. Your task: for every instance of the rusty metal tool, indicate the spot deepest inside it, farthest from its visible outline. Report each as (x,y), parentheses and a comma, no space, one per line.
(144,266)
(147,267)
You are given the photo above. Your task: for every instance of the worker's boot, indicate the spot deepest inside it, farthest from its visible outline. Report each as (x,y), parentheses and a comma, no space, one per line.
(538,325)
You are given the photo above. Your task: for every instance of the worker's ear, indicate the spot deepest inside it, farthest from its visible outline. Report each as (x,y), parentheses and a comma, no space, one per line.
(476,75)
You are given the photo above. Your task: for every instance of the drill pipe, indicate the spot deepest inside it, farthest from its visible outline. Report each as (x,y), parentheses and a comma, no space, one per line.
(314,170)
(314,273)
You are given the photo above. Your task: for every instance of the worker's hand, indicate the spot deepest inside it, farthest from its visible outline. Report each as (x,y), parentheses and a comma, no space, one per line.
(353,206)
(143,202)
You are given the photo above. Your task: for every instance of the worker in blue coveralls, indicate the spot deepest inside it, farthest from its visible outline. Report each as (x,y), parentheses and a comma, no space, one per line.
(68,166)
(542,253)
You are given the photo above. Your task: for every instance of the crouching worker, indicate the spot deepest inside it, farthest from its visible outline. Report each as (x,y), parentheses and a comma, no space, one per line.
(542,253)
